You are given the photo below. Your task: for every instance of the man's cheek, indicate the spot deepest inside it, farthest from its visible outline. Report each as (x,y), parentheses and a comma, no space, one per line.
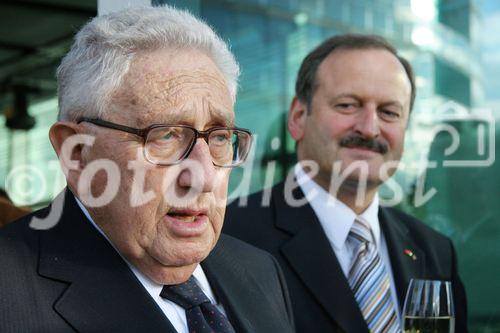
(218,220)
(222,180)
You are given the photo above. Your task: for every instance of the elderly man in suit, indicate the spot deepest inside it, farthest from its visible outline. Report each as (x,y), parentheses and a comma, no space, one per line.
(146,139)
(347,261)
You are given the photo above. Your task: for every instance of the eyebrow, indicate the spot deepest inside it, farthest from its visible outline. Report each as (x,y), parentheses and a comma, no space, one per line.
(393,103)
(334,99)
(356,97)
(346,95)
(222,117)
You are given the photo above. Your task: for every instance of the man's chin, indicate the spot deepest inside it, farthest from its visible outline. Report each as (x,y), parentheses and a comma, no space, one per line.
(171,274)
(179,257)
(358,183)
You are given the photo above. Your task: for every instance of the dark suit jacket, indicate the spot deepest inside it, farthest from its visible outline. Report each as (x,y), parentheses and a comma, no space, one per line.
(9,212)
(321,297)
(69,278)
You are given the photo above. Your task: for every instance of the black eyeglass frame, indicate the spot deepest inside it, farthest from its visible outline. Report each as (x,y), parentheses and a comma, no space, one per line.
(144,132)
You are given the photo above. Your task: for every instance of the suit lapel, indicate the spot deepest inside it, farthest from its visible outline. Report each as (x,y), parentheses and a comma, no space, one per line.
(407,259)
(103,293)
(241,295)
(311,257)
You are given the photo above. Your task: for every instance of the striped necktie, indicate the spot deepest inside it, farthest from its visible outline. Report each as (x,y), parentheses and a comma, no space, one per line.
(369,281)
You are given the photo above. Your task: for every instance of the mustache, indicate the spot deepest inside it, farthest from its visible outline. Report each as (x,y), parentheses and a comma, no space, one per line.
(356,141)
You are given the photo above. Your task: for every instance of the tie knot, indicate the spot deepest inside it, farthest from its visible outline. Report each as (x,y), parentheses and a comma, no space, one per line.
(187,294)
(361,231)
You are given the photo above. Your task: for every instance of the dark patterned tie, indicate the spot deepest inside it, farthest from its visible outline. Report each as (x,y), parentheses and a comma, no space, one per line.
(202,316)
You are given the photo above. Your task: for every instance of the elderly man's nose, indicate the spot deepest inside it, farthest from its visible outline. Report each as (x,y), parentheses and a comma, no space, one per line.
(200,169)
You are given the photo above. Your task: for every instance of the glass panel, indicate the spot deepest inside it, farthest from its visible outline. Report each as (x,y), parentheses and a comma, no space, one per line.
(449,52)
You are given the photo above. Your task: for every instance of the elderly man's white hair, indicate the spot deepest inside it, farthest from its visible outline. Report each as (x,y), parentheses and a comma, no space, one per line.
(103,49)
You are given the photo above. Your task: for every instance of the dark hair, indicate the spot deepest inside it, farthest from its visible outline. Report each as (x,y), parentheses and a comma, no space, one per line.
(306,78)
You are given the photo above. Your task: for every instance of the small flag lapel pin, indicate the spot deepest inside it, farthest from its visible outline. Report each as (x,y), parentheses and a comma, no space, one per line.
(410,254)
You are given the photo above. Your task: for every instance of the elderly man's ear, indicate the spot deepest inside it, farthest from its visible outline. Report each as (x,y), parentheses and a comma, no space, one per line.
(296,119)
(67,139)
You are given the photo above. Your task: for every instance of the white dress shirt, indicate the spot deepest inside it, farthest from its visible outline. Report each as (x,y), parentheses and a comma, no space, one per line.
(337,219)
(175,313)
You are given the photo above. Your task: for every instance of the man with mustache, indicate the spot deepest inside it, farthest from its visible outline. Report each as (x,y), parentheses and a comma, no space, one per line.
(146,137)
(347,261)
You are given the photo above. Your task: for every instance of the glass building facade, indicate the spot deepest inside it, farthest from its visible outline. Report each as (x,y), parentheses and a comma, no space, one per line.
(451,186)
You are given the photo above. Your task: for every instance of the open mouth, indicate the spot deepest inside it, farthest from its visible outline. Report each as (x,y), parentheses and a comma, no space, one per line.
(187,222)
(183,217)
(186,215)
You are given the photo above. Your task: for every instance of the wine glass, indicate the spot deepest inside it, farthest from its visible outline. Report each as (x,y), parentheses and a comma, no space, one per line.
(428,307)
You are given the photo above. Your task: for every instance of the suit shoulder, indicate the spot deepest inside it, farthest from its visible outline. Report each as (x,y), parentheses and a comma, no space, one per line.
(19,234)
(254,210)
(19,244)
(262,199)
(240,247)
(248,254)
(249,201)
(18,229)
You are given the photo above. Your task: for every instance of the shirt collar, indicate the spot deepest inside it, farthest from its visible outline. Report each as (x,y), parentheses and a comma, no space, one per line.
(335,217)
(155,289)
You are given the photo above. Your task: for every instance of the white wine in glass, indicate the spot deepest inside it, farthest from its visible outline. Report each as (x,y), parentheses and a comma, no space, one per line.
(428,307)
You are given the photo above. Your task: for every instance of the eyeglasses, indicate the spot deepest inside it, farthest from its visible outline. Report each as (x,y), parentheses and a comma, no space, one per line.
(170,144)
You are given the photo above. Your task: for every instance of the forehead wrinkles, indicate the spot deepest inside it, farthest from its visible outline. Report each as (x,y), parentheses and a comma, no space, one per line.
(148,93)
(205,110)
(184,85)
